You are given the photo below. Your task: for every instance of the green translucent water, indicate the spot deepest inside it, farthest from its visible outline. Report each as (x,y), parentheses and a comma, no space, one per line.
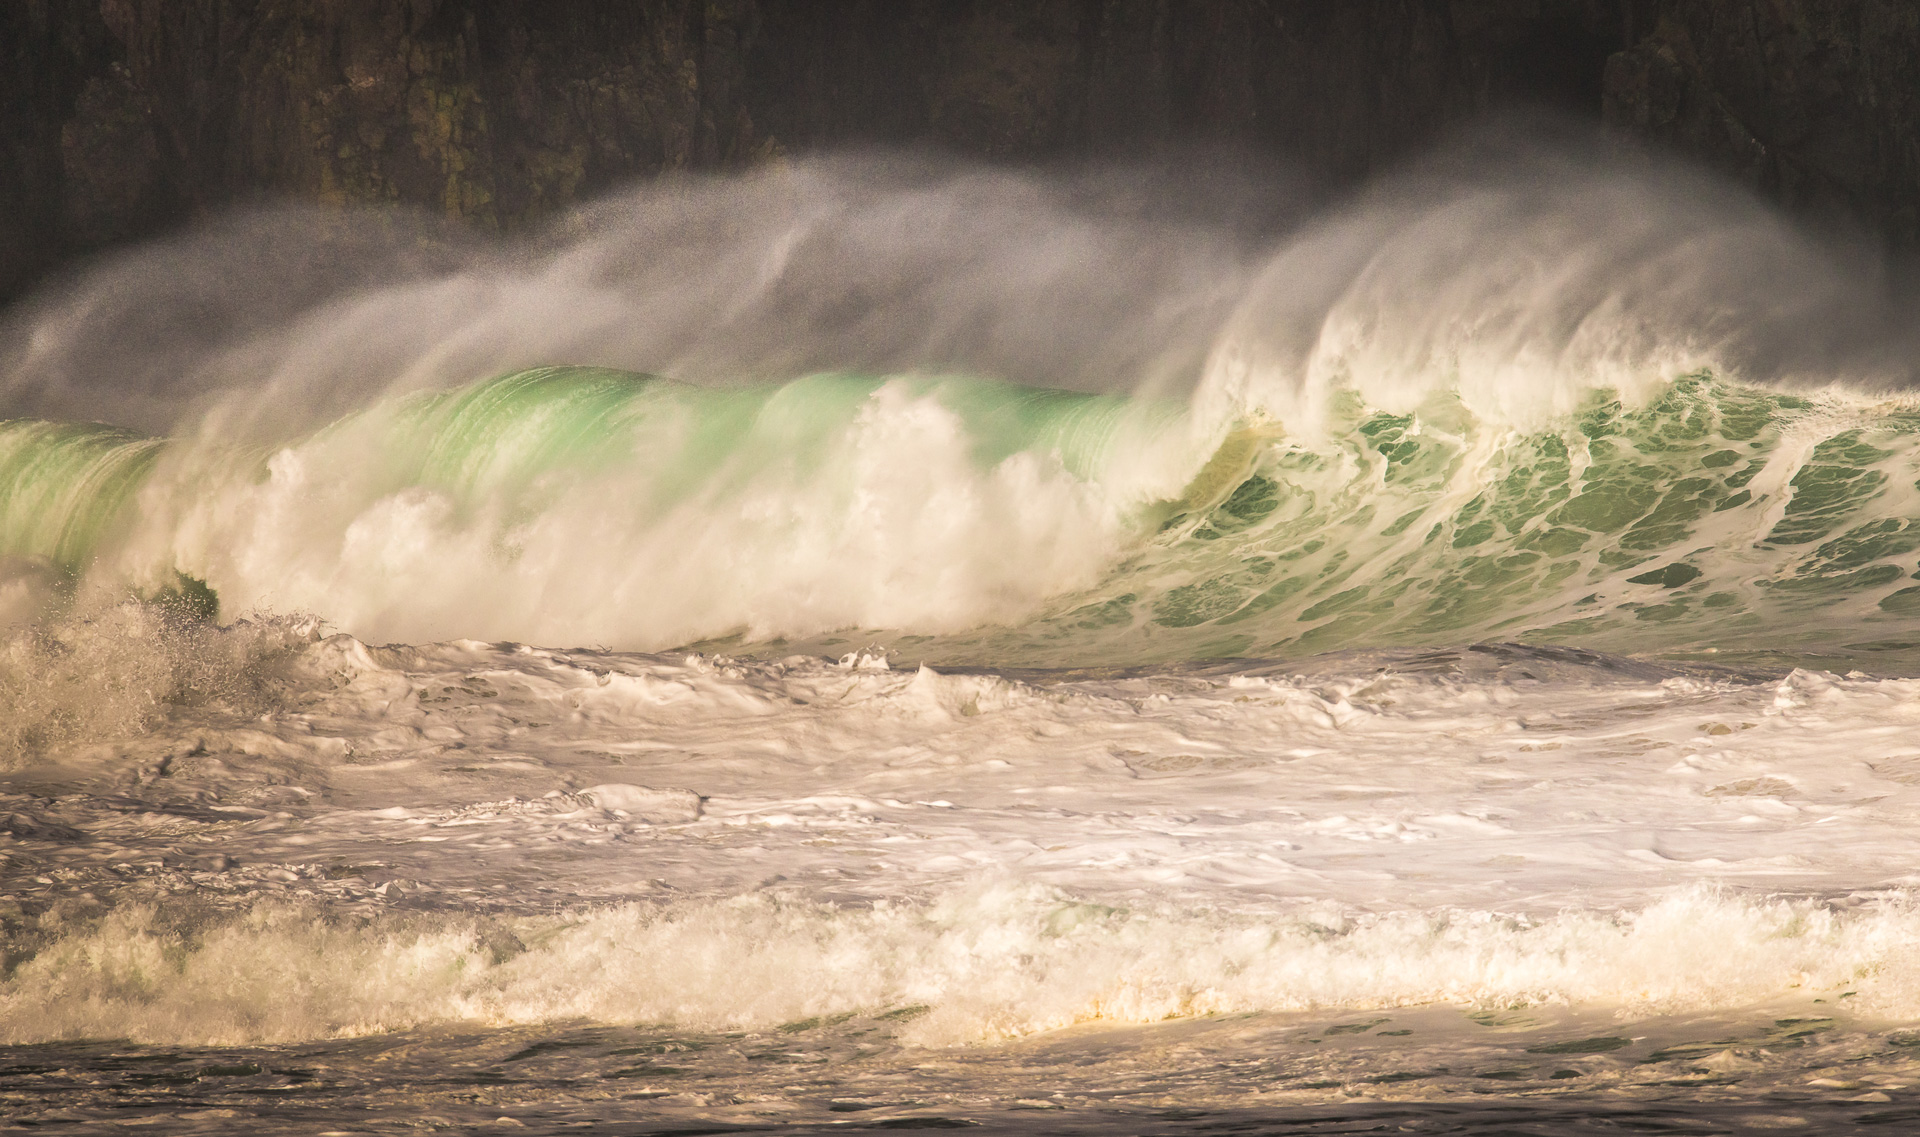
(1637,530)
(1717,519)
(63,486)
(508,437)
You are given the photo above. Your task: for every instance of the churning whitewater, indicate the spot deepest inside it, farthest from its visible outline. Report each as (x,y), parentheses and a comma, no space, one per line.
(964,520)
(773,637)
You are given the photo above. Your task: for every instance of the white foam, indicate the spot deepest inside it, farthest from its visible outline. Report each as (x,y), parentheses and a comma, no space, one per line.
(888,523)
(990,962)
(729,844)
(645,802)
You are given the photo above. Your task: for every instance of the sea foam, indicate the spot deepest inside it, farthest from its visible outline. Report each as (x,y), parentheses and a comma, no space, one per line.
(986,963)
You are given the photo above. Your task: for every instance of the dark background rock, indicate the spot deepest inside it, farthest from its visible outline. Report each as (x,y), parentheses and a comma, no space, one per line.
(121,118)
(1815,103)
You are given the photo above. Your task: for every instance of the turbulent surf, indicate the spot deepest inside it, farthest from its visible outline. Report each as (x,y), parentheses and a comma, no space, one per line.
(947,647)
(968,521)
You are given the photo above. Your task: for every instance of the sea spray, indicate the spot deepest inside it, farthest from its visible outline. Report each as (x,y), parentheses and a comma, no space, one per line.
(106,671)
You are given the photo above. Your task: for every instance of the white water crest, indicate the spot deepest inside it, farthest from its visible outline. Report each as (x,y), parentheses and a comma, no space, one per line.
(982,965)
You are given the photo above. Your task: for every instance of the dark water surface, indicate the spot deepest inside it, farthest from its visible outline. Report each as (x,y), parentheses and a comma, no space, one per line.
(1427,1070)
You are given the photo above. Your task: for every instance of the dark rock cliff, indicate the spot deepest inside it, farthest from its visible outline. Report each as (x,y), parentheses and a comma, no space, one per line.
(1816,102)
(119,118)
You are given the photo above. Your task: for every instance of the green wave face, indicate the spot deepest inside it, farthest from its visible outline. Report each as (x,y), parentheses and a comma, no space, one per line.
(1717,519)
(505,438)
(969,521)
(63,486)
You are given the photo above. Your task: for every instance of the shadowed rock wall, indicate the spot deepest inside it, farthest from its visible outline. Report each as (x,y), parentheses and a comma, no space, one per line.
(121,117)
(1816,102)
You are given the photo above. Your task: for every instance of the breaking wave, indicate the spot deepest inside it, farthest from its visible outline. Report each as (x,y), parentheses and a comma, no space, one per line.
(990,962)
(1125,415)
(1014,525)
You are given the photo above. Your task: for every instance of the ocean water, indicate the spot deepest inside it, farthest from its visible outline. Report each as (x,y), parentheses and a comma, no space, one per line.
(876,644)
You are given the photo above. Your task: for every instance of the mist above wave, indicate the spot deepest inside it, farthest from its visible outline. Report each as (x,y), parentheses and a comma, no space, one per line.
(1521,278)
(1519,263)
(274,322)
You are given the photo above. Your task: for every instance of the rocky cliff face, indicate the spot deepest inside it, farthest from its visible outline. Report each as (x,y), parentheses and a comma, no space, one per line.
(121,117)
(1816,103)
